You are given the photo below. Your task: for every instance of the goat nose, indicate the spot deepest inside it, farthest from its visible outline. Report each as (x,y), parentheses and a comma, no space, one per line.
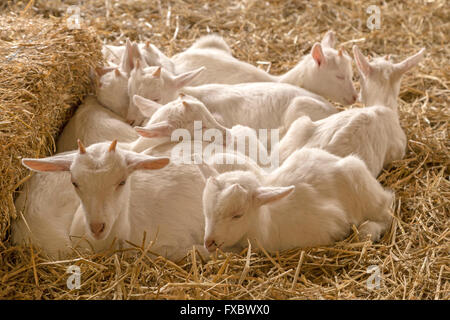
(97,228)
(210,245)
(355,97)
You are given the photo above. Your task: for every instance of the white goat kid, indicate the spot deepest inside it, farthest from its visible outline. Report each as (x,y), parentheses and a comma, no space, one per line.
(186,113)
(311,200)
(104,118)
(151,54)
(156,84)
(212,42)
(112,87)
(255,105)
(46,206)
(94,123)
(166,204)
(373,133)
(117,203)
(325,71)
(112,81)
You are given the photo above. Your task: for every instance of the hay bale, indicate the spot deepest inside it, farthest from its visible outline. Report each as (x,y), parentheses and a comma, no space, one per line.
(44,73)
(413,257)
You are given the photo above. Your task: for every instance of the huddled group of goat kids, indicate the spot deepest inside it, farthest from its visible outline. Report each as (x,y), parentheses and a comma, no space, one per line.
(115,181)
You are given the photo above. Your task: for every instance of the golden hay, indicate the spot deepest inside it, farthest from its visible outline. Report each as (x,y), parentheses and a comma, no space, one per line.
(413,257)
(44,72)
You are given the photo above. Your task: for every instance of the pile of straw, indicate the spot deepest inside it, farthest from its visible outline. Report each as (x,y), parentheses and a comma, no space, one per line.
(413,257)
(44,72)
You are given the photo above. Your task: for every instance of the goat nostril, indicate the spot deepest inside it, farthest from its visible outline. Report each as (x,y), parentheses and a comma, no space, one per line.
(209,243)
(97,228)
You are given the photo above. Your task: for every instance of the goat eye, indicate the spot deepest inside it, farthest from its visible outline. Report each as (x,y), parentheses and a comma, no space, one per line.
(236,216)
(340,77)
(75,184)
(121,183)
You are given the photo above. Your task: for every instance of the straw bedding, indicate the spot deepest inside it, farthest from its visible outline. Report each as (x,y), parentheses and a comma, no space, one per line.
(413,257)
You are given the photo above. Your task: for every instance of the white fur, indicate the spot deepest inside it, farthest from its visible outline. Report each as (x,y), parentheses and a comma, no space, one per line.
(156,84)
(212,42)
(112,82)
(325,71)
(151,54)
(373,133)
(46,206)
(113,54)
(316,72)
(260,105)
(94,123)
(182,113)
(165,204)
(311,200)
(112,91)
(128,210)
(254,105)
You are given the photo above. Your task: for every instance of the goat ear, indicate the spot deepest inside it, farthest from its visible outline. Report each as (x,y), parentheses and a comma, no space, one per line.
(329,40)
(362,64)
(150,50)
(146,106)
(410,62)
(126,64)
(184,79)
(130,57)
(101,71)
(137,64)
(50,164)
(265,195)
(157,130)
(205,169)
(317,54)
(139,161)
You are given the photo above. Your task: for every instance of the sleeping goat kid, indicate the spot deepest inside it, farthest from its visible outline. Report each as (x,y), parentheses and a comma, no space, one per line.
(311,200)
(372,133)
(325,71)
(115,202)
(103,118)
(186,113)
(112,81)
(255,105)
(151,54)
(156,84)
(45,207)
(93,123)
